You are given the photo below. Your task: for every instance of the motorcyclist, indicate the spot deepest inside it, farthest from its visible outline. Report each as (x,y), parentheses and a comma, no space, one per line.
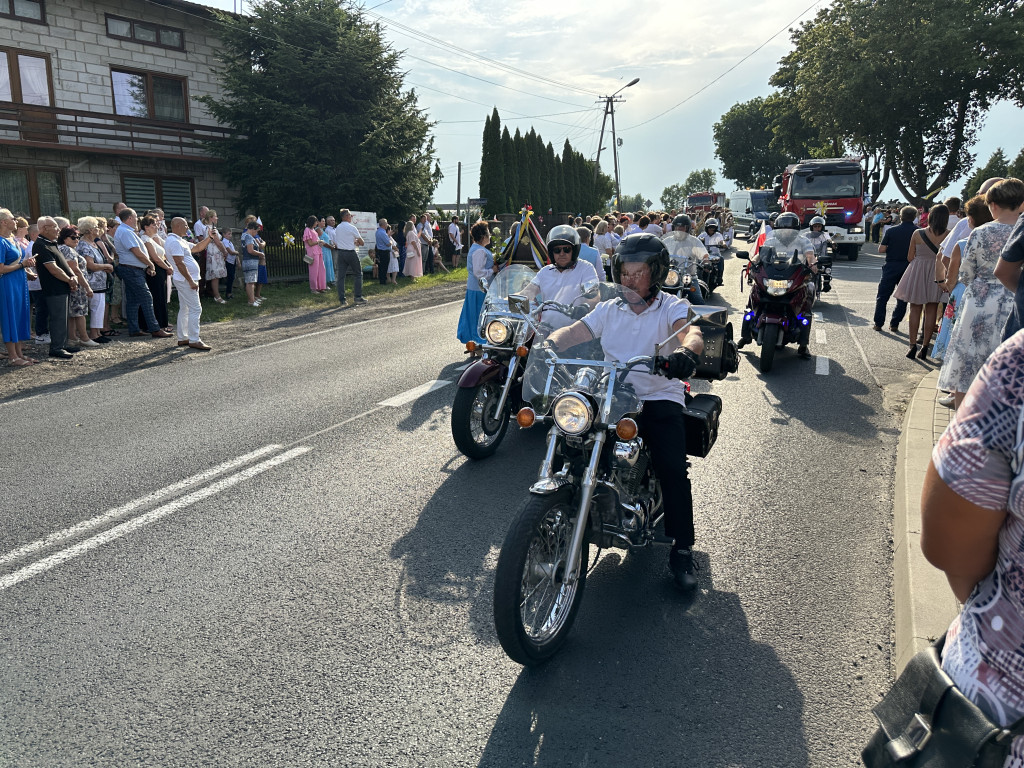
(715,243)
(687,248)
(786,238)
(627,328)
(819,238)
(564,278)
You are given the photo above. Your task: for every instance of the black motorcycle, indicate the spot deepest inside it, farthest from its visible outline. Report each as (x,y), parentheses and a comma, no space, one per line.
(596,484)
(778,291)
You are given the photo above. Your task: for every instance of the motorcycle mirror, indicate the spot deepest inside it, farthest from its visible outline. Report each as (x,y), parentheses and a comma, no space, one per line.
(711,315)
(590,288)
(519,304)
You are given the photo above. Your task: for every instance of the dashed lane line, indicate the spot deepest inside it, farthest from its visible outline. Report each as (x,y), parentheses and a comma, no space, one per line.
(415,393)
(821,365)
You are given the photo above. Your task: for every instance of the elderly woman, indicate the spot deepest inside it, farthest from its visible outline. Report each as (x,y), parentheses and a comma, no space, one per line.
(413,252)
(14,301)
(78,301)
(97,269)
(314,257)
(216,257)
(986,303)
(972,527)
(116,297)
(157,282)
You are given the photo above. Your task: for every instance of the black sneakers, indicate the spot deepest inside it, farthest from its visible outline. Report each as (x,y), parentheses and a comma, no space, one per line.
(680,562)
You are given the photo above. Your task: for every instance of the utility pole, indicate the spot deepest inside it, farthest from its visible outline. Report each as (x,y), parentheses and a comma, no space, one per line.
(609,109)
(458,192)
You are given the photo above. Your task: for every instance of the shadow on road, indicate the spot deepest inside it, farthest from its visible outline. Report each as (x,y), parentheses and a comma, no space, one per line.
(648,678)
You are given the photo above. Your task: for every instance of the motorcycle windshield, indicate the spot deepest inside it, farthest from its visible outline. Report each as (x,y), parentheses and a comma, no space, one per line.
(686,253)
(511,280)
(557,365)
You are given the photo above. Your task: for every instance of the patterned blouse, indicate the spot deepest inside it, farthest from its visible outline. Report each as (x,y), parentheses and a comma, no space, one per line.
(981,458)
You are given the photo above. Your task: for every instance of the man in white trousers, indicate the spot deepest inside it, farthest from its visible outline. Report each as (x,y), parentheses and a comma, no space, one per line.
(186,282)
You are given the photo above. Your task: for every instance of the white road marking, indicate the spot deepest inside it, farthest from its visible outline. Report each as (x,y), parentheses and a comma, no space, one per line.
(850,266)
(131,506)
(48,563)
(821,365)
(818,318)
(415,393)
(820,336)
(863,356)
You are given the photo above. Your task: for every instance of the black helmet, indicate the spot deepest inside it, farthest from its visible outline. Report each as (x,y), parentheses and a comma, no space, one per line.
(773,217)
(787,220)
(683,221)
(565,234)
(642,247)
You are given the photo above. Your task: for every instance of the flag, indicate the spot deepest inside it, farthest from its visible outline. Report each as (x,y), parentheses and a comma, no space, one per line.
(762,235)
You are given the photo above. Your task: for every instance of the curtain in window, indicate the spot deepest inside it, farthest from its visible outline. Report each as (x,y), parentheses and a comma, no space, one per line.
(35,85)
(168,99)
(51,200)
(5,79)
(28,9)
(14,191)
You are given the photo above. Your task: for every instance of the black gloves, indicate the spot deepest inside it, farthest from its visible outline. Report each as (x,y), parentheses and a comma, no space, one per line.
(678,365)
(579,311)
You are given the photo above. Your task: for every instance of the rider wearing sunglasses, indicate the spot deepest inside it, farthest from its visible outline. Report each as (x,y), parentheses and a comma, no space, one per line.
(563,279)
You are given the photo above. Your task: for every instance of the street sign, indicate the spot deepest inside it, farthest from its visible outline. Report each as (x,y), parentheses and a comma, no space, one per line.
(477,201)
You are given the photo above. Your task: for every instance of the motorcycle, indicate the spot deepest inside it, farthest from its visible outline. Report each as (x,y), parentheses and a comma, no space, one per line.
(682,279)
(489,390)
(778,283)
(596,485)
(823,257)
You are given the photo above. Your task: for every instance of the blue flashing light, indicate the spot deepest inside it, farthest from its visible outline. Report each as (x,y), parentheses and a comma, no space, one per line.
(804,321)
(748,316)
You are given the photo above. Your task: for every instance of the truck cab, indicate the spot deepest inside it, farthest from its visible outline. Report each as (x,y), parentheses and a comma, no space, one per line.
(831,188)
(699,203)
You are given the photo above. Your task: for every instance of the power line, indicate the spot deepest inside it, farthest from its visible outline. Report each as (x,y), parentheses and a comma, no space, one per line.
(730,69)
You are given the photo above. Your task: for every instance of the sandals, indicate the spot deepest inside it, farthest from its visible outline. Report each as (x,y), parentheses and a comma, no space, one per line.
(110,333)
(219,300)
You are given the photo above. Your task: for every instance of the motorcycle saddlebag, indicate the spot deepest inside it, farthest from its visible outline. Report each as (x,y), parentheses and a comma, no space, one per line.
(701,414)
(720,356)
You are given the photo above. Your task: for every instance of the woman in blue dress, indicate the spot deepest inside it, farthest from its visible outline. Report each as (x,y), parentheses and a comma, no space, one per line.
(327,246)
(480,265)
(14,301)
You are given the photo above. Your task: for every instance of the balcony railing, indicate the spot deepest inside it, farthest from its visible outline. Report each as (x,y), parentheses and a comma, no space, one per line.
(67,129)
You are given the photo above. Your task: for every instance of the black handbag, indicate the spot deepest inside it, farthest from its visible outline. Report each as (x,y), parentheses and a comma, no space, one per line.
(925,721)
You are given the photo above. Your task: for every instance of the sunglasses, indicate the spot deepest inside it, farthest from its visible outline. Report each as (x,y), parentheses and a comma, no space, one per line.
(561,249)
(73,237)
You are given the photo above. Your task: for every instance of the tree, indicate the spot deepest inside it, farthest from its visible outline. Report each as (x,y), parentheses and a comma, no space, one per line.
(303,143)
(568,178)
(743,142)
(631,203)
(699,181)
(508,154)
(997,166)
(1016,168)
(673,196)
(492,167)
(885,99)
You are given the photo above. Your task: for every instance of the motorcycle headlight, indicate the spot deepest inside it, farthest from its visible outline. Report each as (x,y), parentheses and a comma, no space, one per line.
(777,287)
(572,413)
(672,279)
(498,332)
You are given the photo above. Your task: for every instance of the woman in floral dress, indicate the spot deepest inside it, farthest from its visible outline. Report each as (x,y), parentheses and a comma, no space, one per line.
(986,303)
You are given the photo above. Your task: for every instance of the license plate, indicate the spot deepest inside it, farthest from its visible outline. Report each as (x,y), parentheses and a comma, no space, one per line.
(779,285)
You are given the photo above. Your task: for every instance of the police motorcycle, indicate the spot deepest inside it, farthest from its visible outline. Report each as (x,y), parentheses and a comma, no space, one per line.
(490,390)
(823,256)
(687,255)
(776,313)
(712,270)
(596,485)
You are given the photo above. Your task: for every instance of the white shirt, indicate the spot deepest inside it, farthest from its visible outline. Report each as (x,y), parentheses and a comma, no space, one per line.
(199,230)
(564,287)
(632,229)
(654,229)
(345,235)
(329,231)
(178,246)
(960,231)
(625,334)
(454,235)
(230,254)
(712,242)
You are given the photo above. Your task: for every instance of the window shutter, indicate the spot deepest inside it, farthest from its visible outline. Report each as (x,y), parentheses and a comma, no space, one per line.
(140,194)
(177,198)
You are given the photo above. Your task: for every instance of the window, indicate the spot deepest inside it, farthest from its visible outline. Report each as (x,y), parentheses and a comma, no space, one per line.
(143,94)
(174,196)
(143,32)
(23,10)
(25,77)
(33,192)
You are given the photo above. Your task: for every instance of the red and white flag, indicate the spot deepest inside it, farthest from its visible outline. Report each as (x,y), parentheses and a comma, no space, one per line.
(762,235)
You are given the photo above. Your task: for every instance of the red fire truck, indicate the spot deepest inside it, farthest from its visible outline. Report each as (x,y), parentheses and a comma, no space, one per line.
(833,189)
(699,203)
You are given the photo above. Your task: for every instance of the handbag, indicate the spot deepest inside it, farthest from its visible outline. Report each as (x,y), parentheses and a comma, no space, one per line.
(307,258)
(925,721)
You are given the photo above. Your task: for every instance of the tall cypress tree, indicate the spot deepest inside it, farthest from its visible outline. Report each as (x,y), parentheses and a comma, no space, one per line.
(486,160)
(508,155)
(569,177)
(543,177)
(525,181)
(556,174)
(553,177)
(492,166)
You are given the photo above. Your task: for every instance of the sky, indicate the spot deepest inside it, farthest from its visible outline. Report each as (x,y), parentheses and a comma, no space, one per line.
(546,65)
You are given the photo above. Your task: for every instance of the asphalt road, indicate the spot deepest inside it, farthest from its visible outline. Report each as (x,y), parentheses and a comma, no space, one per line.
(256,559)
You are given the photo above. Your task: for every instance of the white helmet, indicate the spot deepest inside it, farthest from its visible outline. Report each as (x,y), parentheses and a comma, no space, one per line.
(712,222)
(817,220)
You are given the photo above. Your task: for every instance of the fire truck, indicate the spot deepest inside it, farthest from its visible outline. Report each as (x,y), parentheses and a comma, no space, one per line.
(833,189)
(699,203)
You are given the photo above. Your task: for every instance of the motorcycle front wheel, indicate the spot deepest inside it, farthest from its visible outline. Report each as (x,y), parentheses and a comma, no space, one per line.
(769,343)
(476,428)
(534,604)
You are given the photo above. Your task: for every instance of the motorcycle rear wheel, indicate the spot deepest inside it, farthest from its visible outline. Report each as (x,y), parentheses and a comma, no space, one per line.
(534,607)
(769,342)
(476,429)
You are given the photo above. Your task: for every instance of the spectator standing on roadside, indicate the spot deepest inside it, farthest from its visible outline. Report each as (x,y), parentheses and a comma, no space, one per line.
(317,272)
(251,254)
(134,265)
(79,298)
(199,230)
(56,283)
(918,286)
(877,217)
(426,235)
(327,244)
(159,281)
(186,283)
(588,253)
(480,266)
(346,240)
(382,249)
(97,269)
(115,300)
(895,247)
(14,300)
(230,261)
(216,266)
(455,241)
(413,257)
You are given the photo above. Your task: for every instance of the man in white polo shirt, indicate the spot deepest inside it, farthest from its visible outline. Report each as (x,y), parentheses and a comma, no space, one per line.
(186,281)
(563,280)
(346,239)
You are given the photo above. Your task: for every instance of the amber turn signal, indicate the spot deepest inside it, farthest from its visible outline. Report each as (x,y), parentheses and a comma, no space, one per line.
(471,346)
(626,429)
(522,351)
(525,418)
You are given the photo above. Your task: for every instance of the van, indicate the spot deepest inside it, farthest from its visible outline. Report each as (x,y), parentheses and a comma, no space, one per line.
(750,207)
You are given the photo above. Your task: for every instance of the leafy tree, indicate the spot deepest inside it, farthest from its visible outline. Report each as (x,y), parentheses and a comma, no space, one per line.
(631,203)
(915,83)
(699,181)
(1016,168)
(292,121)
(743,142)
(673,196)
(997,165)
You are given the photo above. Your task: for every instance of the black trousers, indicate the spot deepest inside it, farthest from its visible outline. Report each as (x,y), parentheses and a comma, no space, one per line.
(892,273)
(664,430)
(58,309)
(428,258)
(383,259)
(42,312)
(157,285)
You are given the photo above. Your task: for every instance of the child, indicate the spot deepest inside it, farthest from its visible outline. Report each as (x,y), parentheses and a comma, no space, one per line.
(393,263)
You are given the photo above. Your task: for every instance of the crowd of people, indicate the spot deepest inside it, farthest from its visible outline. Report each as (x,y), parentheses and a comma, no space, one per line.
(71,286)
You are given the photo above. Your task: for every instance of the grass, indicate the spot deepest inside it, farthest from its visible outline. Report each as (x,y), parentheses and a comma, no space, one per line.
(285,296)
